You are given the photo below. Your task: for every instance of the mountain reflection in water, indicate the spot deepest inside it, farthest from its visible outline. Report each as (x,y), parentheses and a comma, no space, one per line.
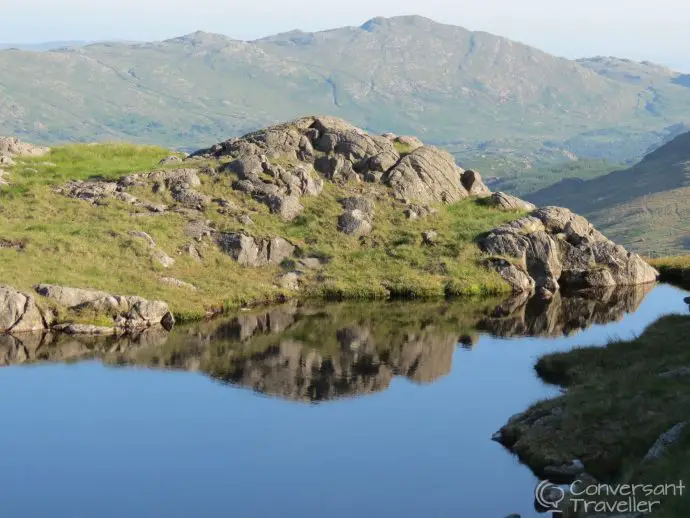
(318,353)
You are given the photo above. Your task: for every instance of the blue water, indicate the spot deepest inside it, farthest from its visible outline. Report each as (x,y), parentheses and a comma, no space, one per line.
(86,440)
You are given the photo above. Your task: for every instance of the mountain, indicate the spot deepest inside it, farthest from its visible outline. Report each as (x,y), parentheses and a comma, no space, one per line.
(495,103)
(646,207)
(41,47)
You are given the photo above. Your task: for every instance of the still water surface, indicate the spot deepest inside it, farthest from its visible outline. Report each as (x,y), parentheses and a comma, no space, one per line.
(368,410)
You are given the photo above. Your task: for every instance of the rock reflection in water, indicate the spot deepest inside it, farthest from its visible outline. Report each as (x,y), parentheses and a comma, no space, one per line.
(563,314)
(307,353)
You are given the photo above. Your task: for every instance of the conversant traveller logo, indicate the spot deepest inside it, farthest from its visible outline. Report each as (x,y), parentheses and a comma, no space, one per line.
(605,498)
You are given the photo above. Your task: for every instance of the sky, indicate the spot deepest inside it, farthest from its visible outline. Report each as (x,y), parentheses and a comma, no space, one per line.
(637,29)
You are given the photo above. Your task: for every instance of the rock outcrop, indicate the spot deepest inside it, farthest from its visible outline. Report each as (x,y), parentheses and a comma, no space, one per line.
(12,146)
(251,251)
(426,175)
(358,216)
(473,184)
(341,152)
(128,312)
(503,201)
(556,247)
(19,312)
(274,185)
(180,183)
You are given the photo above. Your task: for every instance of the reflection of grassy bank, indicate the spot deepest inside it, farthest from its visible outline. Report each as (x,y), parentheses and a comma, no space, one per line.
(674,269)
(620,399)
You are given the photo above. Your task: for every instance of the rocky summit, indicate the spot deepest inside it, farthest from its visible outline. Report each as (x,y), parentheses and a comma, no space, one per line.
(340,152)
(314,206)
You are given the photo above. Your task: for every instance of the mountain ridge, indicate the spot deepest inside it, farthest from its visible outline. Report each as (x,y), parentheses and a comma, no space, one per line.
(479,91)
(646,207)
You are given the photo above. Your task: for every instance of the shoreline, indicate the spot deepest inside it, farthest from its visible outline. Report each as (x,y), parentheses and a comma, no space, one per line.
(622,417)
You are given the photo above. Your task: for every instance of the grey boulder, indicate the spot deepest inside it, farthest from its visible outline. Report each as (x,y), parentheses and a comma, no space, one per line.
(19,312)
(557,247)
(251,251)
(427,175)
(503,201)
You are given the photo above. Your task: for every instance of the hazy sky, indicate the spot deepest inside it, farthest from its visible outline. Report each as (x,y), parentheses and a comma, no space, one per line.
(657,30)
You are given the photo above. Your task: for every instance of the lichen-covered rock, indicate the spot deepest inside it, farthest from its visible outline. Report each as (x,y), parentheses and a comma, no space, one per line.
(171,281)
(250,251)
(472,182)
(354,223)
(85,329)
(342,153)
(426,175)
(128,312)
(19,312)
(517,277)
(665,440)
(274,185)
(336,168)
(430,237)
(180,183)
(361,203)
(287,207)
(411,143)
(558,247)
(289,281)
(12,146)
(171,159)
(69,297)
(503,201)
(414,211)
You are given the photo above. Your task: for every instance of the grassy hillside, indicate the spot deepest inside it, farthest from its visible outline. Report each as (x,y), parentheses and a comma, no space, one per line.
(47,237)
(646,207)
(478,96)
(620,400)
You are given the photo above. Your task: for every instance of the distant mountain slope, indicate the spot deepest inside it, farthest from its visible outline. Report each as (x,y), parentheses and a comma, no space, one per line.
(482,96)
(646,207)
(40,47)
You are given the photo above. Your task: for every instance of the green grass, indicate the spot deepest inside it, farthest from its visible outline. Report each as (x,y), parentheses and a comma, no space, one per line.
(616,406)
(72,243)
(403,149)
(673,269)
